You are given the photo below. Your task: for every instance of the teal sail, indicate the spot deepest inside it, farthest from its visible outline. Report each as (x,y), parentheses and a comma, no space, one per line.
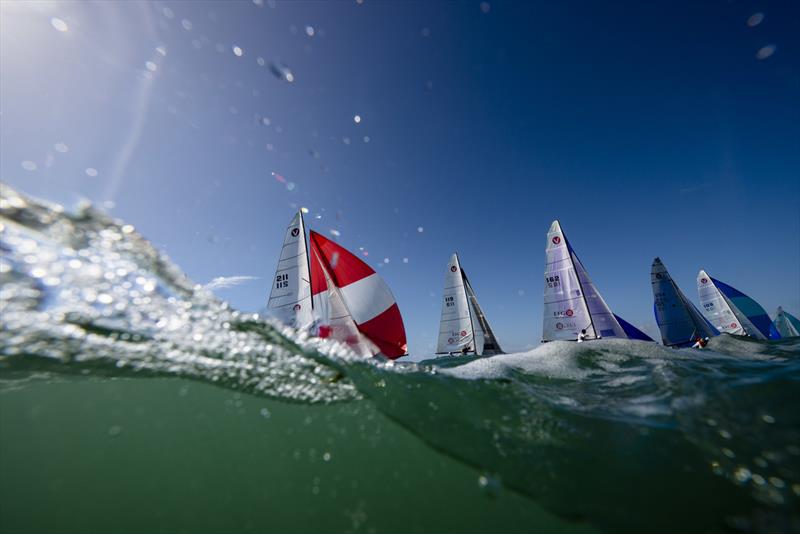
(786,324)
(724,305)
(678,320)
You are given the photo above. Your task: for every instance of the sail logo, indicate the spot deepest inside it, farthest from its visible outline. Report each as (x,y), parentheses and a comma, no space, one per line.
(559,326)
(295,232)
(556,240)
(297,307)
(453,269)
(734,325)
(659,276)
(569,313)
(704,280)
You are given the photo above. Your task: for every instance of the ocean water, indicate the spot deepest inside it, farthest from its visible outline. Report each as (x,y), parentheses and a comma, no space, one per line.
(133,400)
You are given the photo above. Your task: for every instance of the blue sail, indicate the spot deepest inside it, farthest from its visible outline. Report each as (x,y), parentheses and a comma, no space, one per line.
(631,331)
(750,309)
(678,320)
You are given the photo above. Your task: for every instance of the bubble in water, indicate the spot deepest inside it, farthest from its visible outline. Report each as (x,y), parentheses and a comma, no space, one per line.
(357,119)
(310,31)
(765,52)
(91,171)
(61,147)
(237,51)
(755,19)
(485,7)
(59,24)
(115,430)
(265,413)
(152,67)
(29,165)
(768,418)
(187,24)
(326,456)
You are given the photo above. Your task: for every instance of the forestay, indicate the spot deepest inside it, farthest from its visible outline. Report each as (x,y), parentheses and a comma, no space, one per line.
(290,296)
(678,320)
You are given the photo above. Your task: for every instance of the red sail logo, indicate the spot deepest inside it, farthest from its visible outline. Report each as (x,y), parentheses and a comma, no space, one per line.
(556,240)
(569,313)
(453,268)
(295,232)
(297,307)
(704,280)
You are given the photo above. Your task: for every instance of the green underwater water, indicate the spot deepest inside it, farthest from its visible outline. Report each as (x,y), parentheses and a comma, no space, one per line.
(168,455)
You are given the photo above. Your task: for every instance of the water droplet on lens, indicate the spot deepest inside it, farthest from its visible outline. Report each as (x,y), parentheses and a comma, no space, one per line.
(237,51)
(755,19)
(91,171)
(357,119)
(765,52)
(187,24)
(310,31)
(485,7)
(152,67)
(29,165)
(61,147)
(59,24)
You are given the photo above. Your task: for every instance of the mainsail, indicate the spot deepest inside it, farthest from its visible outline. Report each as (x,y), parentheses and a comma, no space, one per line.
(731,311)
(290,297)
(571,300)
(679,321)
(787,324)
(463,326)
(354,305)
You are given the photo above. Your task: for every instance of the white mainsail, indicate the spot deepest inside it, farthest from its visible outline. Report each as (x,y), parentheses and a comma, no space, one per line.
(290,297)
(716,307)
(456,331)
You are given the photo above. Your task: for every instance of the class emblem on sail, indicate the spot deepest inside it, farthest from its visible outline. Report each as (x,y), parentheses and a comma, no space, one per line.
(786,324)
(731,311)
(678,319)
(572,302)
(290,296)
(353,304)
(463,327)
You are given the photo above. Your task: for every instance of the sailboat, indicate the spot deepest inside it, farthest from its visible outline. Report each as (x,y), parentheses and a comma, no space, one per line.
(678,319)
(733,312)
(786,324)
(290,297)
(352,303)
(463,328)
(572,302)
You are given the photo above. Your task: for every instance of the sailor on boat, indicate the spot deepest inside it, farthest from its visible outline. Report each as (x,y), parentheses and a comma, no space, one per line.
(700,343)
(582,336)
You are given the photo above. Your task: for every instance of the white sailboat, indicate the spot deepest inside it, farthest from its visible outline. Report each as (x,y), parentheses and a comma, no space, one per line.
(290,296)
(572,303)
(463,328)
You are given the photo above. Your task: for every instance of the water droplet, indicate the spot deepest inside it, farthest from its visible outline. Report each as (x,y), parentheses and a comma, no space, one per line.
(265,413)
(187,24)
(765,52)
(420,229)
(310,31)
(29,165)
(91,171)
(366,139)
(426,32)
(61,147)
(281,71)
(386,260)
(334,232)
(259,3)
(168,13)
(261,61)
(152,67)
(520,292)
(346,140)
(485,7)
(114,430)
(755,19)
(59,24)
(767,418)
(405,260)
(326,456)
(161,50)
(237,51)
(357,119)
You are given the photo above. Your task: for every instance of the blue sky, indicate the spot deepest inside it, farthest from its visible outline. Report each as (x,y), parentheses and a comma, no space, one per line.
(647,128)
